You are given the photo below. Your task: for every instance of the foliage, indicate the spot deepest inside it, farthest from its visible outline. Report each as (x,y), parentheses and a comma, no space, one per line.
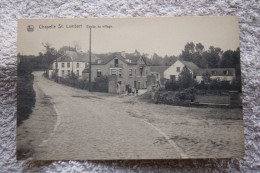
(157,60)
(185,79)
(216,84)
(206,77)
(172,85)
(25,92)
(187,94)
(63,49)
(214,57)
(100,84)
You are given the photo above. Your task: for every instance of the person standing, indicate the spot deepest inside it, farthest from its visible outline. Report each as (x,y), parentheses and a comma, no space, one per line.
(133,91)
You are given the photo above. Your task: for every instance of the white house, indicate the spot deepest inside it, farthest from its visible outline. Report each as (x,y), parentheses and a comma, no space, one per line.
(68,63)
(175,69)
(222,74)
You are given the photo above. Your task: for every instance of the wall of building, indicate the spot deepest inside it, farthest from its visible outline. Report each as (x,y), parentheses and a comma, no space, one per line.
(125,78)
(221,78)
(72,67)
(172,70)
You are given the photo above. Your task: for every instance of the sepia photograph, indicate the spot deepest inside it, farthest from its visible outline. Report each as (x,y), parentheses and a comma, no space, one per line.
(129,88)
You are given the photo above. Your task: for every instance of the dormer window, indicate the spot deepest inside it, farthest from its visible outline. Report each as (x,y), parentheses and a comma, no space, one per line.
(116,62)
(178,69)
(226,72)
(99,61)
(213,72)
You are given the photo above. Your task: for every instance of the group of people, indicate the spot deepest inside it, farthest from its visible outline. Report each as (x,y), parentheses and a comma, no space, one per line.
(129,90)
(132,91)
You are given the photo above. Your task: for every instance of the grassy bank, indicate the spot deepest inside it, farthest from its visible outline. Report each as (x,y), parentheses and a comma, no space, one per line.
(25,92)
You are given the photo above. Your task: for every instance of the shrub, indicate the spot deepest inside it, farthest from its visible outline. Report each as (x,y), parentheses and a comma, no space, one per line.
(25,92)
(187,94)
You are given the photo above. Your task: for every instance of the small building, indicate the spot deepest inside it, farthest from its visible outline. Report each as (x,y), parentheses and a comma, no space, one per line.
(222,74)
(158,73)
(175,69)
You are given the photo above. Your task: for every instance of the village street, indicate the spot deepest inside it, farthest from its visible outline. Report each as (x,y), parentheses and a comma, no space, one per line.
(69,123)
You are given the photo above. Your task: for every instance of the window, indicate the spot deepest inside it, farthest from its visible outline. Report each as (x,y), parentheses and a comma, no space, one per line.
(116,62)
(62,65)
(77,65)
(194,77)
(77,72)
(135,71)
(68,71)
(226,72)
(157,76)
(99,73)
(178,69)
(68,65)
(173,77)
(130,72)
(120,72)
(213,72)
(141,71)
(113,71)
(56,65)
(62,72)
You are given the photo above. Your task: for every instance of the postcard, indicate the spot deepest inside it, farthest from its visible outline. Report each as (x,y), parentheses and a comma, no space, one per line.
(129,88)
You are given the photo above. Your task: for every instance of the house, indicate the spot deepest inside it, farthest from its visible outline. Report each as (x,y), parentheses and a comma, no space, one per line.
(158,73)
(129,70)
(175,69)
(222,74)
(70,62)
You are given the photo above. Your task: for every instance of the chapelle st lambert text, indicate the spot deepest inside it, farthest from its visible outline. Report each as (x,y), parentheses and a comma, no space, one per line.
(76,26)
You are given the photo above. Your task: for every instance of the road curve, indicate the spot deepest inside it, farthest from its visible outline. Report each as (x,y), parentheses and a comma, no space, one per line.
(94,126)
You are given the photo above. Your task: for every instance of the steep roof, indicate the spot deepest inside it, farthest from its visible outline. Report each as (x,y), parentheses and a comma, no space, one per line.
(106,58)
(159,69)
(70,56)
(216,71)
(190,65)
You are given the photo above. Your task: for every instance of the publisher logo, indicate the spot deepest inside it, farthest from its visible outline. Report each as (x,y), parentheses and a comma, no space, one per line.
(30,28)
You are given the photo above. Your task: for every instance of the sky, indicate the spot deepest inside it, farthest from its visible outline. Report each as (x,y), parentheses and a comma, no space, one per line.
(162,35)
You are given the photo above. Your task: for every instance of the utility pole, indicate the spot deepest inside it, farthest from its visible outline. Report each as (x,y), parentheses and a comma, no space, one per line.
(90,84)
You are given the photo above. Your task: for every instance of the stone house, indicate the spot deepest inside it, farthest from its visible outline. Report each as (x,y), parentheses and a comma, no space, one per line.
(129,70)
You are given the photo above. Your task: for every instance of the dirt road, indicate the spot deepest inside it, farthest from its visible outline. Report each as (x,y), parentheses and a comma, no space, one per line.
(98,126)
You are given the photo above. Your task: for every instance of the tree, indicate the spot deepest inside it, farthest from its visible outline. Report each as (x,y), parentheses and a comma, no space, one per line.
(206,77)
(156,59)
(187,53)
(228,59)
(185,79)
(63,49)
(50,54)
(213,57)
